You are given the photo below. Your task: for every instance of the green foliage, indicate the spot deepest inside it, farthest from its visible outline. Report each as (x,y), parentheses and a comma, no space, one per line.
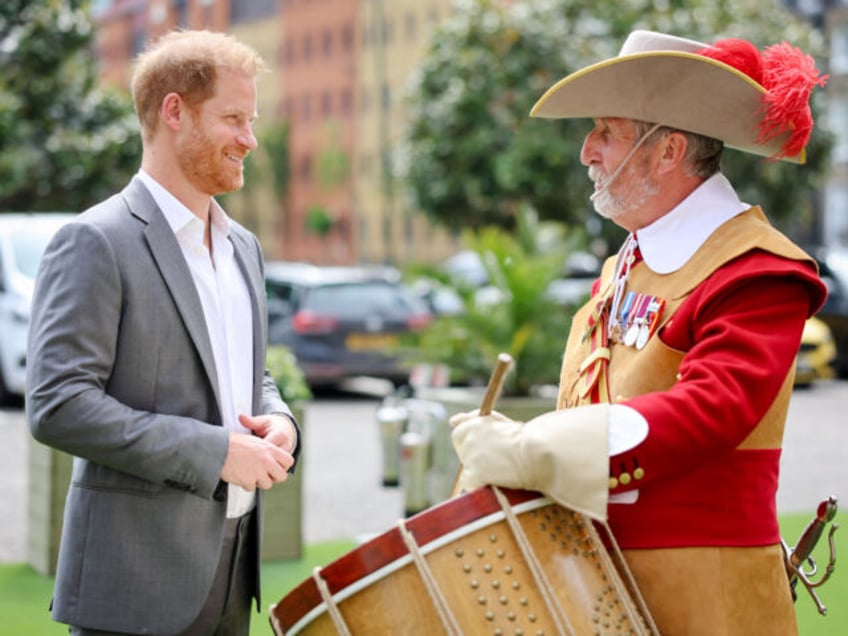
(266,172)
(282,365)
(332,165)
(523,321)
(473,155)
(65,142)
(275,142)
(318,220)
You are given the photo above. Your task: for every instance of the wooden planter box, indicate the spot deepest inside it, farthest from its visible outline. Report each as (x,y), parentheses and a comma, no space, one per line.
(283,530)
(49,476)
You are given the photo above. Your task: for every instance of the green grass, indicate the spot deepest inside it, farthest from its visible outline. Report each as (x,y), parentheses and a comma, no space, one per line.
(25,595)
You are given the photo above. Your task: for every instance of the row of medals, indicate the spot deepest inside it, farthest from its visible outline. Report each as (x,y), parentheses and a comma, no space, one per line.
(638,319)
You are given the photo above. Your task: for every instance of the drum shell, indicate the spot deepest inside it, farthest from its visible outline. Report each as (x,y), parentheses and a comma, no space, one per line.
(479,569)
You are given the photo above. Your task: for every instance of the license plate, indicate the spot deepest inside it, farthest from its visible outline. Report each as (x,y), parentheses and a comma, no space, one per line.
(370,341)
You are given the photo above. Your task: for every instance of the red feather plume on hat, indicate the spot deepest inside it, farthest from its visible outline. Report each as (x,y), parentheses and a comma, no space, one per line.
(788,75)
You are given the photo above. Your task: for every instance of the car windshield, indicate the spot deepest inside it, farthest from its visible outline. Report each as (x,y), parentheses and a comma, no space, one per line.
(28,245)
(358,300)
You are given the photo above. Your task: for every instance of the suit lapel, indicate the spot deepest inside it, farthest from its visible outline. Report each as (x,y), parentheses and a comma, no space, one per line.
(169,258)
(254,280)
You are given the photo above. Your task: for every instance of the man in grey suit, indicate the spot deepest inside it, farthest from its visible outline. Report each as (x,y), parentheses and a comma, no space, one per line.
(147,362)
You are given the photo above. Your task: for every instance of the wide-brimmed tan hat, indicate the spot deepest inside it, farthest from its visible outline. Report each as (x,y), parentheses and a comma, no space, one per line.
(663,79)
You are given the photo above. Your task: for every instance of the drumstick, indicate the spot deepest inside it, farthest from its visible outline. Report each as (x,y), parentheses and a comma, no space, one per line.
(496,382)
(493,390)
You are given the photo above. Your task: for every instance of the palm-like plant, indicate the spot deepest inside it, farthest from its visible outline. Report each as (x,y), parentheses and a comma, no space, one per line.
(522,319)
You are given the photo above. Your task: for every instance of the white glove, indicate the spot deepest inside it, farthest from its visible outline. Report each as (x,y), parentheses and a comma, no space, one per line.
(563,454)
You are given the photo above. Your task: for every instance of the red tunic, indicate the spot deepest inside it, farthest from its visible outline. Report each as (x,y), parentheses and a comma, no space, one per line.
(740,330)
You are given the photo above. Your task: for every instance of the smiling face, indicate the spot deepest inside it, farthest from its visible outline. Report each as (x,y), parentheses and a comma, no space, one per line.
(622,195)
(219,135)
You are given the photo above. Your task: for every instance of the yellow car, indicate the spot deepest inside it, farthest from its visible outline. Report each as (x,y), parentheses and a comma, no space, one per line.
(817,356)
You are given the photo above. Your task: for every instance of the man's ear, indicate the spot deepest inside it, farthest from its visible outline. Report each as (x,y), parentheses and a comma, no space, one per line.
(173,110)
(673,151)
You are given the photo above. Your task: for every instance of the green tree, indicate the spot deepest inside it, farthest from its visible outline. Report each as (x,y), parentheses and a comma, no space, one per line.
(473,155)
(65,141)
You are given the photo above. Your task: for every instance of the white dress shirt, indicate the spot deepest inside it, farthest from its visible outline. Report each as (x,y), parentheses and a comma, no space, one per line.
(227,311)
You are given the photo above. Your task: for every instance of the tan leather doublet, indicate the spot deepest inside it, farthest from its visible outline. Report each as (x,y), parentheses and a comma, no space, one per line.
(755,597)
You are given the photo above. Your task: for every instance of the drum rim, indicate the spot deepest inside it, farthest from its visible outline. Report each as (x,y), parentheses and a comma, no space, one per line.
(350,573)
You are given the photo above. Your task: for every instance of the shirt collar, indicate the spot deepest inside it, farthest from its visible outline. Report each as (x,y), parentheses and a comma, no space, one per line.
(670,241)
(177,214)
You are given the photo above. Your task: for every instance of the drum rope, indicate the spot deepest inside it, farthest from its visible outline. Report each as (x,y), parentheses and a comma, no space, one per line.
(439,601)
(544,585)
(332,608)
(632,587)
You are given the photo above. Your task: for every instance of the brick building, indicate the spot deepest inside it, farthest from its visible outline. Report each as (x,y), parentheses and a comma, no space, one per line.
(338,71)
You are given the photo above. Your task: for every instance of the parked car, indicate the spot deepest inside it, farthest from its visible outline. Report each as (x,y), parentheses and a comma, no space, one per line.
(833,269)
(23,238)
(342,322)
(817,355)
(573,287)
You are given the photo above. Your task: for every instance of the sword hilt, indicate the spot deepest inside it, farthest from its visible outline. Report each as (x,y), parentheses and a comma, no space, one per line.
(795,558)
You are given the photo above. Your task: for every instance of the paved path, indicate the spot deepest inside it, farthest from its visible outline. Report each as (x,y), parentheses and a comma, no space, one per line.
(344,498)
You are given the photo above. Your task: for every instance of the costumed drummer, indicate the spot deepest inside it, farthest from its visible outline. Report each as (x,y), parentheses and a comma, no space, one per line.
(678,371)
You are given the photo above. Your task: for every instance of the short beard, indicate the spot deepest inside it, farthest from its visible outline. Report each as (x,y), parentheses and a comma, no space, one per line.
(613,206)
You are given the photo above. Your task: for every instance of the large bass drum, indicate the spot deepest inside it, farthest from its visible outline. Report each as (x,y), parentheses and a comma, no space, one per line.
(492,561)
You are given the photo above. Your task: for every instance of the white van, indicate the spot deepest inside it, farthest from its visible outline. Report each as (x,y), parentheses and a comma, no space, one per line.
(23,238)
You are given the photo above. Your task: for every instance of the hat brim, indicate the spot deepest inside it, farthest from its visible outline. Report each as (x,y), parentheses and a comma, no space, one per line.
(680,90)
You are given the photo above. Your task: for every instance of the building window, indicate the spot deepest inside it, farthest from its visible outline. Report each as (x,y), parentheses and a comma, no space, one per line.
(307,47)
(366,165)
(365,102)
(288,53)
(327,42)
(326,104)
(838,124)
(835,219)
(306,108)
(241,12)
(839,49)
(305,168)
(347,37)
(346,100)
(388,32)
(139,41)
(386,98)
(411,26)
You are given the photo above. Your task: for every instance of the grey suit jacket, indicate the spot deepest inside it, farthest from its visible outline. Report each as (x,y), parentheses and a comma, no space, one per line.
(121,374)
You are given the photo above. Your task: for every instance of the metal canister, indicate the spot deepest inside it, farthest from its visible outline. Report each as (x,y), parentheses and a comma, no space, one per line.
(414,466)
(391,419)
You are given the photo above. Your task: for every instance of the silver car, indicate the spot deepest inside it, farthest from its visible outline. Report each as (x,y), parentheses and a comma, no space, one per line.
(23,238)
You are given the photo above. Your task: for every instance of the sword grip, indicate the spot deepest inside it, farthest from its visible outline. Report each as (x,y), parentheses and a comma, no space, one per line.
(806,543)
(812,533)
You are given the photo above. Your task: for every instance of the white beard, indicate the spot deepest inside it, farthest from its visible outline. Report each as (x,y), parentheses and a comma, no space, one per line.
(636,192)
